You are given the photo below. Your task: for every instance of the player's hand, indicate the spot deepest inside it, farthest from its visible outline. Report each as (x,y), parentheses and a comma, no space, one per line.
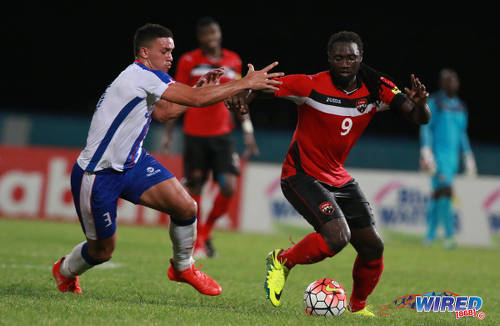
(251,147)
(417,94)
(210,78)
(261,79)
(470,165)
(238,103)
(427,162)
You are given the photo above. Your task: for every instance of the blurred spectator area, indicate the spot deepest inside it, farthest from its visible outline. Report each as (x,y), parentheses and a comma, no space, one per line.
(397,152)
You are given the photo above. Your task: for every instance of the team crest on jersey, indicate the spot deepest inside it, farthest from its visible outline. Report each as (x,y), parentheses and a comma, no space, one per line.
(326,208)
(361,104)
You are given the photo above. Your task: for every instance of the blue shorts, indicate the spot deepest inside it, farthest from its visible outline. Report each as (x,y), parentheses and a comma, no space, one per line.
(96,193)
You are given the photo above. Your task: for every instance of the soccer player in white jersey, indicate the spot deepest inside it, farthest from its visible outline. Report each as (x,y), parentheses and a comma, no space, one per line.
(113,164)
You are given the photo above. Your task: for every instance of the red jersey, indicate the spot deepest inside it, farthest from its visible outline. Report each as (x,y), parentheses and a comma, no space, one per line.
(211,120)
(330,121)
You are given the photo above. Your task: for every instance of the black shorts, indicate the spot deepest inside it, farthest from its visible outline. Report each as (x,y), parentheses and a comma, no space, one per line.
(205,154)
(319,202)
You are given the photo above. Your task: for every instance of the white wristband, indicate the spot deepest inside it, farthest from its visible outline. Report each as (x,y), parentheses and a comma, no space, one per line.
(247,126)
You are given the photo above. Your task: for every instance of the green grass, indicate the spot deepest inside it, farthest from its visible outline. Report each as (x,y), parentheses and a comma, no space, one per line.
(135,289)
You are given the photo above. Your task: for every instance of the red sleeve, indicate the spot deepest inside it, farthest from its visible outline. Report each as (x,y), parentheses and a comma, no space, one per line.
(183,69)
(388,90)
(294,85)
(238,65)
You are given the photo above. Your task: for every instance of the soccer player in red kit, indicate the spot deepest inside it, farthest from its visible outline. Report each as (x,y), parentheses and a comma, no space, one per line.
(208,146)
(334,107)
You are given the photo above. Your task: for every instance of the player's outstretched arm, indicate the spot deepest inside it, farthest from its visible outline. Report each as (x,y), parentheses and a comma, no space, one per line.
(205,96)
(165,110)
(415,107)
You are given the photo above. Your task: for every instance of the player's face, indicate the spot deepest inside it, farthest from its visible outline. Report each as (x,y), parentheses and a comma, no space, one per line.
(450,82)
(210,36)
(345,59)
(159,54)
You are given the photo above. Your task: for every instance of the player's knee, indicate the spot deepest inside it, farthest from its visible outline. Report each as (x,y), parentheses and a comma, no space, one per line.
(338,242)
(101,255)
(195,189)
(227,184)
(378,250)
(228,190)
(373,250)
(195,182)
(187,209)
(443,192)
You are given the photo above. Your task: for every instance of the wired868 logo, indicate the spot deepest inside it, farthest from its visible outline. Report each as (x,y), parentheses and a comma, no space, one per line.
(462,306)
(437,301)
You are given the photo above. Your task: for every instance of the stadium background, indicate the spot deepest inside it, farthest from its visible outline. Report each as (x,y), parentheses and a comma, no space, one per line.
(61,58)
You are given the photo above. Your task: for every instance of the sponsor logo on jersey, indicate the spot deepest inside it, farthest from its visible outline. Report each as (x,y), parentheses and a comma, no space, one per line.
(326,208)
(151,171)
(333,100)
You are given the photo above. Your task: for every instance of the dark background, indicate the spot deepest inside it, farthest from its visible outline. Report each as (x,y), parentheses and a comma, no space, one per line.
(59,60)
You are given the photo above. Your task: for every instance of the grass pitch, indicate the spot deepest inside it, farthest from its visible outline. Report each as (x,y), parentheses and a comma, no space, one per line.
(133,288)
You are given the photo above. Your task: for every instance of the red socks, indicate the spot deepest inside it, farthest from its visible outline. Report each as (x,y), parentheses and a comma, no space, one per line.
(309,250)
(313,248)
(221,205)
(366,274)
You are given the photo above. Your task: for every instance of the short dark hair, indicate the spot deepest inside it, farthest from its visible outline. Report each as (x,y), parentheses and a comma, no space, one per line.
(345,36)
(205,21)
(147,33)
(444,71)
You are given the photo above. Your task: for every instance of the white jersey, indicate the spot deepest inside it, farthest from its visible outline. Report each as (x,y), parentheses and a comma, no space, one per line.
(121,119)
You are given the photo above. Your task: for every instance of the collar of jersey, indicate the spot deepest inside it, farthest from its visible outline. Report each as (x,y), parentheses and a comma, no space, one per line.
(142,65)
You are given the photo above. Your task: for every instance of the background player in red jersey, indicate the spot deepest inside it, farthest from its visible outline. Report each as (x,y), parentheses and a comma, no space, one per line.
(208,146)
(334,107)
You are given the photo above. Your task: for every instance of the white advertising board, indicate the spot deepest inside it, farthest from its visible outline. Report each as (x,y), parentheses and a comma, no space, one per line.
(399,201)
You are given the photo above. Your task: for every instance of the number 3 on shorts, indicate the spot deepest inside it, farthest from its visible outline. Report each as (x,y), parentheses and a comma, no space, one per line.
(346,126)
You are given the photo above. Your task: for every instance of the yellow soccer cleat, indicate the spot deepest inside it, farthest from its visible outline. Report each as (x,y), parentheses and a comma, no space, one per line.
(363,312)
(276,276)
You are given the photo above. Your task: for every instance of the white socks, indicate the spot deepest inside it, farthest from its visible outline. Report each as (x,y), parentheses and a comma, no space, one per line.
(183,238)
(74,264)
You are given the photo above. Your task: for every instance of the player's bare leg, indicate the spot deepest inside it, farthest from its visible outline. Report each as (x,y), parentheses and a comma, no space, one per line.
(170,197)
(368,266)
(227,187)
(195,182)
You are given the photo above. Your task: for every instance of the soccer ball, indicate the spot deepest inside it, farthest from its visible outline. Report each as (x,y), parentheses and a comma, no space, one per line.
(325,297)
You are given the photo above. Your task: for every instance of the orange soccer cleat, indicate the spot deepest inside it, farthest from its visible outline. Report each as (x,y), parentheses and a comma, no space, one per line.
(197,279)
(65,284)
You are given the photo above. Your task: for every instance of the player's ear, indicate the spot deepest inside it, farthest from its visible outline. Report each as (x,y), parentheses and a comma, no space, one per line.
(144,52)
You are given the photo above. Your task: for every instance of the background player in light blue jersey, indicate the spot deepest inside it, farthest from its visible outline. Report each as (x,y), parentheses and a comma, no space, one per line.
(113,164)
(442,142)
